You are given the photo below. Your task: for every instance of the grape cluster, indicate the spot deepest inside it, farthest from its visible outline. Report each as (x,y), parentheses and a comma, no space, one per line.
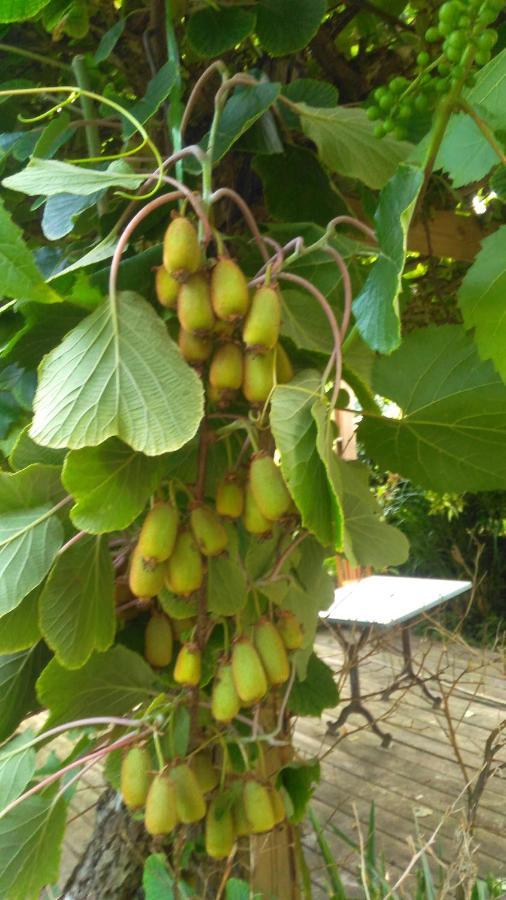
(460,42)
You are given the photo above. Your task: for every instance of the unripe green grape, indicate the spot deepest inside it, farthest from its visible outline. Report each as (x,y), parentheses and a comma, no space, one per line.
(389,125)
(423,58)
(379,130)
(441,85)
(454,54)
(373,113)
(432,35)
(449,12)
(398,84)
(421,102)
(458,39)
(482,57)
(400,133)
(487,39)
(405,111)
(443,68)
(464,22)
(445,29)
(386,101)
(487,15)
(380,92)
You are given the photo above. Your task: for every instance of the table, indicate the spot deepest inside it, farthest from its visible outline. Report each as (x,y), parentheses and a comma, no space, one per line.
(385,601)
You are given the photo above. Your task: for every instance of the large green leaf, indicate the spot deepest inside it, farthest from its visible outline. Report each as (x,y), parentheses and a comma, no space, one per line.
(27,453)
(158,883)
(19,629)
(285,26)
(111,485)
(245,106)
(213,31)
(30,532)
(18,674)
(346,144)
(118,374)
(17,10)
(316,692)
(30,847)
(482,299)
(76,607)
(465,154)
(19,276)
(17,766)
(376,307)
(368,539)
(157,91)
(226,587)
(488,91)
(452,432)
(50,176)
(294,431)
(109,684)
(297,188)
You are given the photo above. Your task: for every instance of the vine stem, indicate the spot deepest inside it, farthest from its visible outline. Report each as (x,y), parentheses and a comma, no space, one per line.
(73,540)
(284,556)
(176,107)
(95,756)
(74,94)
(325,305)
(248,216)
(217,66)
(130,228)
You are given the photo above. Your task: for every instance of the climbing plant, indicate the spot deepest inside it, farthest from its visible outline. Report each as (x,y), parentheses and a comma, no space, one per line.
(204,257)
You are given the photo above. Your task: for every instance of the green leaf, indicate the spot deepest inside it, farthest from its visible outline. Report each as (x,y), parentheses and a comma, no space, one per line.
(30,532)
(19,276)
(111,485)
(368,540)
(296,187)
(213,31)
(452,432)
(62,210)
(26,453)
(158,882)
(311,92)
(226,587)
(316,692)
(103,250)
(109,684)
(482,299)
(237,889)
(298,780)
(17,10)
(376,307)
(19,629)
(157,91)
(18,769)
(294,431)
(242,109)
(488,91)
(18,674)
(109,40)
(346,144)
(117,374)
(285,26)
(464,153)
(180,729)
(50,176)
(76,607)
(30,847)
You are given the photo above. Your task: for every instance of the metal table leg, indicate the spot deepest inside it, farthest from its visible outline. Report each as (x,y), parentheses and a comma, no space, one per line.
(408,676)
(355,705)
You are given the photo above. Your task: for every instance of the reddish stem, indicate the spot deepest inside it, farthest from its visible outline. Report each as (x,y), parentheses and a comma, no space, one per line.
(247,214)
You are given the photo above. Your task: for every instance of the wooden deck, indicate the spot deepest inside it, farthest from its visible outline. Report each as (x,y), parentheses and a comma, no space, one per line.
(414,784)
(417,782)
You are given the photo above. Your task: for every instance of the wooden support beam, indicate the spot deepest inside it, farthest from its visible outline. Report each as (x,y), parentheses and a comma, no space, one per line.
(442,233)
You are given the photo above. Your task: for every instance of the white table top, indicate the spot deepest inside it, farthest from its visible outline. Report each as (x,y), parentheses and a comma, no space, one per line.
(388,600)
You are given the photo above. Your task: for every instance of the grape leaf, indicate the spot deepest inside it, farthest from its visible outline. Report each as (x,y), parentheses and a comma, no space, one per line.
(30,846)
(285,26)
(452,431)
(18,674)
(19,629)
(316,692)
(213,31)
(19,275)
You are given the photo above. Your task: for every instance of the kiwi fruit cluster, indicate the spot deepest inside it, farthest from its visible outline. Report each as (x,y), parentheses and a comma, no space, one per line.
(223,326)
(187,792)
(230,334)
